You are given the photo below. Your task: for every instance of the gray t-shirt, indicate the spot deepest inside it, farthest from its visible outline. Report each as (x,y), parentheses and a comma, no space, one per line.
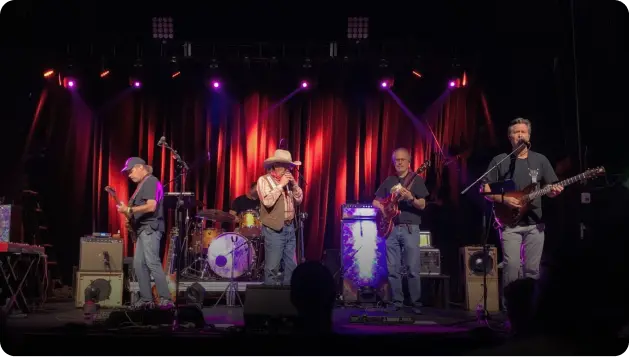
(408,213)
(523,172)
(151,190)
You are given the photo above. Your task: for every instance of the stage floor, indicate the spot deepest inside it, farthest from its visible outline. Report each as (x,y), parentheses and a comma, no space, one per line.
(58,313)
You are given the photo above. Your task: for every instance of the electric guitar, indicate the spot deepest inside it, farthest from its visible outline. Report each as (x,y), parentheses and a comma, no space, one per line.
(506,216)
(169,270)
(131,232)
(385,218)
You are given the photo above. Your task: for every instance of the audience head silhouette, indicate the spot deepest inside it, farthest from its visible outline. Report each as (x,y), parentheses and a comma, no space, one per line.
(519,296)
(313,295)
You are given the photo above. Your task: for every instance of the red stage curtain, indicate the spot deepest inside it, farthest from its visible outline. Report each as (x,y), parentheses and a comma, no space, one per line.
(345,149)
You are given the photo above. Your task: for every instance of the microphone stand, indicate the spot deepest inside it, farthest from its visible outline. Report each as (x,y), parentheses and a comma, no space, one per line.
(485,315)
(179,223)
(300,217)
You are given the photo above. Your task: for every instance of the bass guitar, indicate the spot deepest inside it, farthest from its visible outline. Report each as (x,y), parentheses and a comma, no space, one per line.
(131,232)
(385,218)
(507,216)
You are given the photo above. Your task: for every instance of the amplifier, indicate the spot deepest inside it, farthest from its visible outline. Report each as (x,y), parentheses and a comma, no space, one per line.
(109,287)
(11,230)
(358,211)
(101,254)
(430,261)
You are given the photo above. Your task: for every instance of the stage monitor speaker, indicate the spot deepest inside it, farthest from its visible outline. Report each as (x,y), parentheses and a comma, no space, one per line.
(268,308)
(472,265)
(101,254)
(11,228)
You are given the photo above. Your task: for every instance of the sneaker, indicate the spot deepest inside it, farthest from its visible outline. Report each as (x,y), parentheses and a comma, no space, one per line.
(165,304)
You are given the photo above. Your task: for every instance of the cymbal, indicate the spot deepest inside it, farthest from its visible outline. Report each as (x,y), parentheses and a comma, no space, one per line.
(215,215)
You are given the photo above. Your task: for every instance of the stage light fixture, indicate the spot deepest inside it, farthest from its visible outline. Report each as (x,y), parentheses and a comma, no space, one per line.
(163,28)
(135,83)
(49,73)
(69,83)
(215,84)
(304,84)
(104,73)
(358,28)
(386,83)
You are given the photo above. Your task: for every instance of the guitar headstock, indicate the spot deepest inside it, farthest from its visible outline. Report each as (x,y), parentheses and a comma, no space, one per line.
(423,167)
(598,171)
(110,190)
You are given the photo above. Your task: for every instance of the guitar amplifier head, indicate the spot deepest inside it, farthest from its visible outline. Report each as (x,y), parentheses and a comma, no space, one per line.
(430,261)
(101,254)
(358,211)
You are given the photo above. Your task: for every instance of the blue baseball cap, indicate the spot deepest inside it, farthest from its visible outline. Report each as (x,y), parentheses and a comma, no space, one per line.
(131,162)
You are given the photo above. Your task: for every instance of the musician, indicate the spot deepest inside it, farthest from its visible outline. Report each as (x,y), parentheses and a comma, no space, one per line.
(522,244)
(248,201)
(406,232)
(145,205)
(279,194)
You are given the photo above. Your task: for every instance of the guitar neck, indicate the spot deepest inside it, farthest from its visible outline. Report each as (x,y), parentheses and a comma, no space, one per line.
(545,190)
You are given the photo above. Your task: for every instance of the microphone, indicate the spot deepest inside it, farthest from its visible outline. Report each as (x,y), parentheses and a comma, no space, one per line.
(162,141)
(526,143)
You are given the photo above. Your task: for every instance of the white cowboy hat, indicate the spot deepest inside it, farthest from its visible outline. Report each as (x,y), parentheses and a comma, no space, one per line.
(281,157)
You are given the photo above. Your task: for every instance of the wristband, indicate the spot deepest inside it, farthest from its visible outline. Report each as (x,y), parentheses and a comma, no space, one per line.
(129,210)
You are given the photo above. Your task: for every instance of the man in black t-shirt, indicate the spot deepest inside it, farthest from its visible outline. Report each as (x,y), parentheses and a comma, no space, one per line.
(145,205)
(524,168)
(406,233)
(246,202)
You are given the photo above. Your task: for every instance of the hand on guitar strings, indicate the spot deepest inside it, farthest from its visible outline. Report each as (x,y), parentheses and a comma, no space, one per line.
(122,208)
(512,202)
(555,190)
(406,195)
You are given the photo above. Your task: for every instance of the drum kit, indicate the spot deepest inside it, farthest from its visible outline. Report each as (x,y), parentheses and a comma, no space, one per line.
(211,253)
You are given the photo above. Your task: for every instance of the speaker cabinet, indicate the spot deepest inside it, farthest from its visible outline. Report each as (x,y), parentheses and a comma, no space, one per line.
(268,307)
(109,286)
(473,263)
(101,254)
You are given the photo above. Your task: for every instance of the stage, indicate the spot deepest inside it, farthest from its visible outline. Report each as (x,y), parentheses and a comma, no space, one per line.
(60,328)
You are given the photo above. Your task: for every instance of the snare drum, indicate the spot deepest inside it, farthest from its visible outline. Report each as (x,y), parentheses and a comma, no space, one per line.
(249,224)
(226,246)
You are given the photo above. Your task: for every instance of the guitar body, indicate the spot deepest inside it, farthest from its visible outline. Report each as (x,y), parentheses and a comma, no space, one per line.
(385,219)
(507,216)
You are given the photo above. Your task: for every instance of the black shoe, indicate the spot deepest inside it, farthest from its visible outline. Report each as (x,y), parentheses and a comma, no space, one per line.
(416,310)
(393,308)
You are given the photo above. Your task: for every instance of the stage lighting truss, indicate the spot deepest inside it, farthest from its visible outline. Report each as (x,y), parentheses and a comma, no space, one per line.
(358,28)
(163,28)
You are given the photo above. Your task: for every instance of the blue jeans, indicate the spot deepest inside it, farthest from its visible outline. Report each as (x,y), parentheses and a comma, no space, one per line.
(522,251)
(404,238)
(279,247)
(146,263)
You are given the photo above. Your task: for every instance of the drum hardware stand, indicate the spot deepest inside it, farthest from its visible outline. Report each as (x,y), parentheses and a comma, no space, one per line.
(495,188)
(232,288)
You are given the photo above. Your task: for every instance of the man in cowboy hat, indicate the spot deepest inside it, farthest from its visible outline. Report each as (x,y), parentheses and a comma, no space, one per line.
(279,193)
(145,205)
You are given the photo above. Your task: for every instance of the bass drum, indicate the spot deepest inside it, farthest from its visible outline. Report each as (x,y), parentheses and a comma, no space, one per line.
(226,246)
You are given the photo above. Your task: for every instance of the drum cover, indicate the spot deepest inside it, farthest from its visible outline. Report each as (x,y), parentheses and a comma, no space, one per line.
(220,255)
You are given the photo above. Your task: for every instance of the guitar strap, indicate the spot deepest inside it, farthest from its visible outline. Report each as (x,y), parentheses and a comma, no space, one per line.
(138,189)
